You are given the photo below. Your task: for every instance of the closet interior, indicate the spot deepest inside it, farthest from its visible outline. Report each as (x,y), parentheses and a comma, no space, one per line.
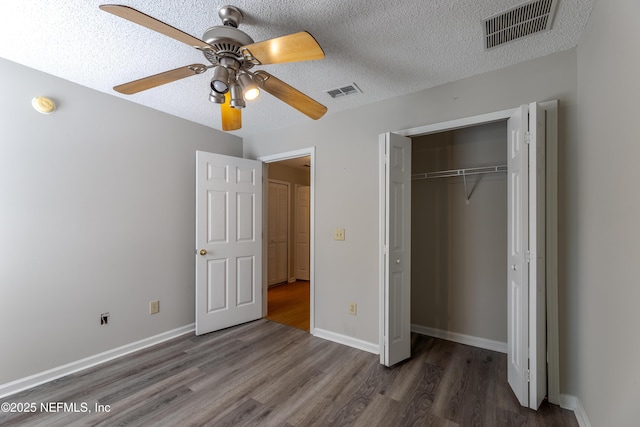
(459,233)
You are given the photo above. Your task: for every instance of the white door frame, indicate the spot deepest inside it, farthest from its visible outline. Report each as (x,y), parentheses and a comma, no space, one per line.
(551,108)
(311,152)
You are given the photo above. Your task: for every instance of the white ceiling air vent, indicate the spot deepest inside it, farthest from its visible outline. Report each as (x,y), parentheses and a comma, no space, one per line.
(520,21)
(350,89)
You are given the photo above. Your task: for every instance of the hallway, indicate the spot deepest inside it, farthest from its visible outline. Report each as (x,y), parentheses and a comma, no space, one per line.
(289,304)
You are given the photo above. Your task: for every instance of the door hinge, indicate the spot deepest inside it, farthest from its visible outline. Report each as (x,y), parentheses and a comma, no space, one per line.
(385,158)
(527,256)
(528,376)
(527,137)
(385,250)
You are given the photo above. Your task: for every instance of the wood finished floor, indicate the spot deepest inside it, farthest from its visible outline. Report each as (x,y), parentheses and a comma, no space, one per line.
(267,374)
(289,304)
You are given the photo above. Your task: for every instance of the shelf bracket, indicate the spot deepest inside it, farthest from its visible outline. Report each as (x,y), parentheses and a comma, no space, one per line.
(466,193)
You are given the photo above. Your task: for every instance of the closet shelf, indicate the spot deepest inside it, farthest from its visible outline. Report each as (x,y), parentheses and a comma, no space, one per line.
(459,172)
(464,173)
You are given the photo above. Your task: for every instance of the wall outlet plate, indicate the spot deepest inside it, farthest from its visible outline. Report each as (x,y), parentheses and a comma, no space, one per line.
(104,319)
(353,308)
(338,234)
(154,307)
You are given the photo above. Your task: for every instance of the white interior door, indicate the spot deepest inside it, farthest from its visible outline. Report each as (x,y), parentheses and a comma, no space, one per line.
(538,259)
(517,247)
(278,234)
(397,249)
(302,234)
(228,241)
(526,319)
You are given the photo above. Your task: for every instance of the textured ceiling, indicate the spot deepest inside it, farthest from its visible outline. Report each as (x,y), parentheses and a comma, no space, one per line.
(388,48)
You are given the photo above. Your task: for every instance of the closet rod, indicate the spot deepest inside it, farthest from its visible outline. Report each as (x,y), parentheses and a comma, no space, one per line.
(459,172)
(464,173)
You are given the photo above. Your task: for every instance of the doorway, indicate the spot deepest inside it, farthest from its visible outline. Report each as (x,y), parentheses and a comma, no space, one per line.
(288,244)
(459,235)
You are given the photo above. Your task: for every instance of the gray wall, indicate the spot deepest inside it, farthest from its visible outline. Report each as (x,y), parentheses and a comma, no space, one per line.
(458,250)
(604,231)
(347,174)
(96,215)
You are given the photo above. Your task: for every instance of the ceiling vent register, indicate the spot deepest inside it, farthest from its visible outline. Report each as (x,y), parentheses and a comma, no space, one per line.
(350,89)
(521,21)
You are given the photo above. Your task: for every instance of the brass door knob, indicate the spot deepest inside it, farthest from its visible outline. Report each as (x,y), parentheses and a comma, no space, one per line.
(203,252)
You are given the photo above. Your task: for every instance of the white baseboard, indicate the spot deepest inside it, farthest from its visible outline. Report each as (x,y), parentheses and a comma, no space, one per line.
(574,404)
(568,402)
(461,338)
(70,368)
(346,340)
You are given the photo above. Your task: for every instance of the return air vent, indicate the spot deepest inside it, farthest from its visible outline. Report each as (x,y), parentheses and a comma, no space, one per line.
(521,21)
(350,89)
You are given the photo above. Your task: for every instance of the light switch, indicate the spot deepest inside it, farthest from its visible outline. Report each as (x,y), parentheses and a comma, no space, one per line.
(338,234)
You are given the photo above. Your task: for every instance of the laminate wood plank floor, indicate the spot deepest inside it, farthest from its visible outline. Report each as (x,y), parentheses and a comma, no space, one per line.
(289,303)
(267,374)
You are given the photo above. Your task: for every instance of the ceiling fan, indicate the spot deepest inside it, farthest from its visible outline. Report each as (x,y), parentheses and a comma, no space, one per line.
(232,54)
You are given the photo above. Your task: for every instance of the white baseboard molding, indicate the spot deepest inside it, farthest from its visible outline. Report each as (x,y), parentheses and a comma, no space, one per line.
(346,340)
(70,368)
(487,344)
(574,404)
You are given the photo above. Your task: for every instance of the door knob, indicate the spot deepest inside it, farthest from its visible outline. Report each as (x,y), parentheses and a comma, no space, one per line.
(203,252)
(398,261)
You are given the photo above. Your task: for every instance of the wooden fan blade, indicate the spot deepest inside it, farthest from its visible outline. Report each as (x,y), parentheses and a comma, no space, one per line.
(292,48)
(291,95)
(140,18)
(231,117)
(160,79)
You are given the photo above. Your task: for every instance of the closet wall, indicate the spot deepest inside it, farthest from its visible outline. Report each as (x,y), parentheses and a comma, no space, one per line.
(459,250)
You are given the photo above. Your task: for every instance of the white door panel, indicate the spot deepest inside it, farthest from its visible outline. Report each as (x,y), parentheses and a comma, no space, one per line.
(302,234)
(517,246)
(228,241)
(537,265)
(278,249)
(526,293)
(397,259)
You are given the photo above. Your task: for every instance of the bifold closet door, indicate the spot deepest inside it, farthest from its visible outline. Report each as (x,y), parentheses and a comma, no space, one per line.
(526,297)
(397,249)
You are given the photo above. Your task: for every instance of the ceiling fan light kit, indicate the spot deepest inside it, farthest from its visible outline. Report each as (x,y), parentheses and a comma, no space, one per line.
(232,54)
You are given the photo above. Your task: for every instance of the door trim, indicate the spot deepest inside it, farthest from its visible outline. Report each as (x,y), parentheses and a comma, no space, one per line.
(551,108)
(271,158)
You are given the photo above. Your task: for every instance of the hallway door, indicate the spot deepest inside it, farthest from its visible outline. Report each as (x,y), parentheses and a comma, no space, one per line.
(278,226)
(302,236)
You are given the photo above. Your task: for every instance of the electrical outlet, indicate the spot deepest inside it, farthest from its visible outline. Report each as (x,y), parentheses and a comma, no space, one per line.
(353,308)
(154,307)
(104,318)
(338,234)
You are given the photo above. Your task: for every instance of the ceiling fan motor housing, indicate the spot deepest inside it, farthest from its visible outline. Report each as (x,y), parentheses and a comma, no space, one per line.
(226,41)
